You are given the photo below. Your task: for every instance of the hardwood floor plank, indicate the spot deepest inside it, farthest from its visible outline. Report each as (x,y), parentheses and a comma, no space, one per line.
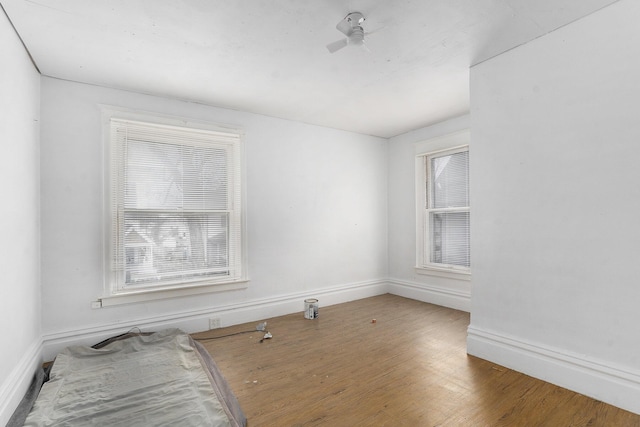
(409,368)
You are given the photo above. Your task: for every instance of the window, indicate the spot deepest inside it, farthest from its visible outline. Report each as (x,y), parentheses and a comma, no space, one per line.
(444,210)
(175,207)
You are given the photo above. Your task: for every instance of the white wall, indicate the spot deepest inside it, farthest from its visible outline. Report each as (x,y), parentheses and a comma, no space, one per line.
(555,191)
(19,220)
(403,278)
(316,218)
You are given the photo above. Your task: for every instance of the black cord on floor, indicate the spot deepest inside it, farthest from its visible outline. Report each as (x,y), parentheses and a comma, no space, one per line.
(224,336)
(105,342)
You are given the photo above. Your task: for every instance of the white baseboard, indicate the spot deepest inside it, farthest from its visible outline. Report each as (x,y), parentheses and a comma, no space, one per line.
(198,320)
(618,386)
(15,386)
(431,294)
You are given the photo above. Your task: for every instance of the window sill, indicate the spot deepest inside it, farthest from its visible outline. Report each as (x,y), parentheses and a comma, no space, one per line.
(156,294)
(448,273)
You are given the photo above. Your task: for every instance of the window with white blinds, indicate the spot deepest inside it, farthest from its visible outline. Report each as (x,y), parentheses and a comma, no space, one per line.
(176,206)
(447,210)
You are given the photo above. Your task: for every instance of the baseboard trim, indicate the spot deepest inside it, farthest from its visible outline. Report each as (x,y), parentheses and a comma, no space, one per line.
(432,294)
(19,380)
(231,314)
(615,385)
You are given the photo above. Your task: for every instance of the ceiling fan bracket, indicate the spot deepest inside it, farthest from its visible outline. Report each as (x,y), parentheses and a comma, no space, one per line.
(355,19)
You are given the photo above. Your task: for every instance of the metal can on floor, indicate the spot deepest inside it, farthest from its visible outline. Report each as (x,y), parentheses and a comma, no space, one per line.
(311,308)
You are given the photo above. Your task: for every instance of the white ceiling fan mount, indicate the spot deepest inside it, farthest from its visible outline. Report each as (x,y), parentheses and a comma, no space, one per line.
(350,26)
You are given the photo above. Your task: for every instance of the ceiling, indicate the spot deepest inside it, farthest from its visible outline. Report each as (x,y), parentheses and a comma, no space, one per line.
(270,57)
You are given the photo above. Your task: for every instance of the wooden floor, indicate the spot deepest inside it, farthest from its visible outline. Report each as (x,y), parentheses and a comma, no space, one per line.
(409,368)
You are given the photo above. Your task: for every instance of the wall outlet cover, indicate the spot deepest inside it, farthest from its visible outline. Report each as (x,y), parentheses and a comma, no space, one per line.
(214,323)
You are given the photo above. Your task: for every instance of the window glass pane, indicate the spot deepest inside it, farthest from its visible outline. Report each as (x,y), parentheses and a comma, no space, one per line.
(168,247)
(450,180)
(449,233)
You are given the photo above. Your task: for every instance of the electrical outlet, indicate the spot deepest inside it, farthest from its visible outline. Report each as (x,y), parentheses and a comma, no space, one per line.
(214,323)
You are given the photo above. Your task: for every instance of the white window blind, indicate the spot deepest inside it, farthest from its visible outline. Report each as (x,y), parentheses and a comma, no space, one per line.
(175,206)
(447,208)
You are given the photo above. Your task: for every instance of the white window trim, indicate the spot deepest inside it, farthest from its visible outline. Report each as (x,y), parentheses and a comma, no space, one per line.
(113,296)
(447,143)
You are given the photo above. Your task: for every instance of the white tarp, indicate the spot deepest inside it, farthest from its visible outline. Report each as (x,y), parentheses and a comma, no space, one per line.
(154,380)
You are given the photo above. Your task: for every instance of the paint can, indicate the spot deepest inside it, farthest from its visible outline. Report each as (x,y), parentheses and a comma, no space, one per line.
(311,308)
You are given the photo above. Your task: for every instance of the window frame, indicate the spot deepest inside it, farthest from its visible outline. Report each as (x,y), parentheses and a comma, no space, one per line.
(447,144)
(113,292)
